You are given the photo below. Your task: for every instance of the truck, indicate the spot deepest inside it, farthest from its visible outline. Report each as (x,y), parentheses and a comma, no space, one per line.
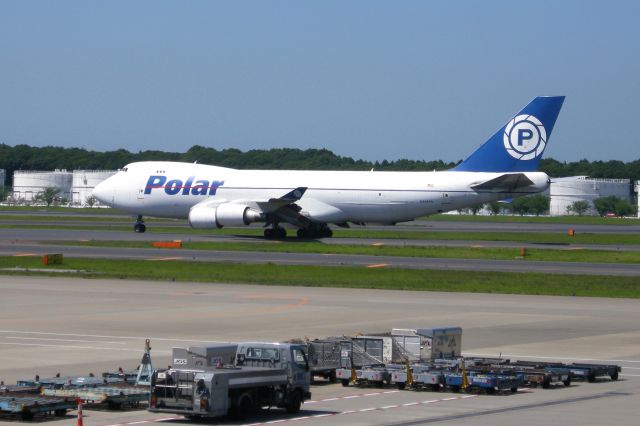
(259,375)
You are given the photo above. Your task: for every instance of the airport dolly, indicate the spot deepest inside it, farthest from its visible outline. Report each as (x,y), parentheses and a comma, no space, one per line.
(376,375)
(26,407)
(112,396)
(490,383)
(529,376)
(70,381)
(581,371)
(421,380)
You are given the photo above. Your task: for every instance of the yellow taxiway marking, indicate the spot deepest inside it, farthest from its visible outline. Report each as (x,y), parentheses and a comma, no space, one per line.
(165,258)
(378,265)
(24,254)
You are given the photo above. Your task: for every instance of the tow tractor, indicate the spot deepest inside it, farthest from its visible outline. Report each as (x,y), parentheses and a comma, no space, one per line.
(259,375)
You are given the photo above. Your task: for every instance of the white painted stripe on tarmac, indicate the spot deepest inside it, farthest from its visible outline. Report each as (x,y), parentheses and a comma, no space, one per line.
(312,417)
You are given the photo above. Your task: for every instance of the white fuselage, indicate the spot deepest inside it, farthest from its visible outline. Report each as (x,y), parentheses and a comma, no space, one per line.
(170,189)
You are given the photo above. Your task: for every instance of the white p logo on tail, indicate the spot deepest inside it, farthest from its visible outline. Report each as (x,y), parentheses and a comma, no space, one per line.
(525,137)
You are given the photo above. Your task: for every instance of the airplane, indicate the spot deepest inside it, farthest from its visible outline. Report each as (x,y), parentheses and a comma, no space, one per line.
(211,197)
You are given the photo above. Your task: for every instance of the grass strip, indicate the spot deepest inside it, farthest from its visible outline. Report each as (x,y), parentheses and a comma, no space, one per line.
(346,277)
(492,253)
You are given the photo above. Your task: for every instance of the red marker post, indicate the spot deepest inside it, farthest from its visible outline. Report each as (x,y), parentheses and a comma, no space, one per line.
(79,401)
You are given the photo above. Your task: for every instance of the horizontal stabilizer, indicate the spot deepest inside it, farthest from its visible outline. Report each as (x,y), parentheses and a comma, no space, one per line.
(507,182)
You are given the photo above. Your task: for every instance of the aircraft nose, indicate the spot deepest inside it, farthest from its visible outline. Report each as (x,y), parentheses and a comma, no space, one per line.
(104,192)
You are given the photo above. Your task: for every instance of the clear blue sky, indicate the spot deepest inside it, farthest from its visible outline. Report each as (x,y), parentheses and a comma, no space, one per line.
(368,79)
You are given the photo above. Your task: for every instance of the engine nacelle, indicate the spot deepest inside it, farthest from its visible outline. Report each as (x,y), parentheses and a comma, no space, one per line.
(227,214)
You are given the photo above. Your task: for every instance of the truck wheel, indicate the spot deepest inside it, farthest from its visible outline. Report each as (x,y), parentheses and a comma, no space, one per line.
(344,382)
(332,377)
(401,385)
(26,415)
(567,382)
(592,377)
(245,407)
(614,376)
(60,413)
(293,407)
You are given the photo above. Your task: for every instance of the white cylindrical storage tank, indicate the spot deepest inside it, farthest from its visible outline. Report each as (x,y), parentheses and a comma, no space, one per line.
(83,183)
(638,195)
(28,184)
(565,191)
(3,176)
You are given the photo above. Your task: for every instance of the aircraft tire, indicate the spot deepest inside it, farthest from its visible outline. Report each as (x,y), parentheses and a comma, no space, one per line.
(139,228)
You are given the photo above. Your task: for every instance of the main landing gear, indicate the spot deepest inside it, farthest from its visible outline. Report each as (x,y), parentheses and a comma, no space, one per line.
(276,232)
(139,225)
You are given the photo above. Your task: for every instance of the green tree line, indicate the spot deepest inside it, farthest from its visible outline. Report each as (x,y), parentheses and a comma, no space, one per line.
(25,157)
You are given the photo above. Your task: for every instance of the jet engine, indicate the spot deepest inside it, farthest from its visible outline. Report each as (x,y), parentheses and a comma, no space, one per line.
(227,214)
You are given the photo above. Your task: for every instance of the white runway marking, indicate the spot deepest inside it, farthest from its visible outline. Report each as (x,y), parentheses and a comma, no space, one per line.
(349,397)
(315,416)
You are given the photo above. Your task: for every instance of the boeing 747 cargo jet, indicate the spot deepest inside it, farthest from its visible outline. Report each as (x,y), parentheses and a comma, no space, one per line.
(211,197)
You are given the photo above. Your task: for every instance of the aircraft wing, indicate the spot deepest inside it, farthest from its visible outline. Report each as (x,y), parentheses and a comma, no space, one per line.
(273,204)
(507,182)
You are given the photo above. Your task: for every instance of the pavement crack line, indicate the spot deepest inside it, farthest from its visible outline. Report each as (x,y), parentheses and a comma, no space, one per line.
(509,409)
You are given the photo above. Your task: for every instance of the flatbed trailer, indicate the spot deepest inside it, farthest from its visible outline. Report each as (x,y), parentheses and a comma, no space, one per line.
(26,407)
(529,375)
(490,383)
(113,396)
(69,381)
(579,371)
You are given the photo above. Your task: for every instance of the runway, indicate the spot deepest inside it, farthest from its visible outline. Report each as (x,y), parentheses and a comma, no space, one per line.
(77,326)
(420,225)
(14,236)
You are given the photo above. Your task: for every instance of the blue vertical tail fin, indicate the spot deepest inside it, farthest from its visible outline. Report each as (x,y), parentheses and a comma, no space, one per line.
(519,144)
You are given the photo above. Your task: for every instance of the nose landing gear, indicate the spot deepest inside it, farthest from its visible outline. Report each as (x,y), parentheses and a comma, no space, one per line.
(139,226)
